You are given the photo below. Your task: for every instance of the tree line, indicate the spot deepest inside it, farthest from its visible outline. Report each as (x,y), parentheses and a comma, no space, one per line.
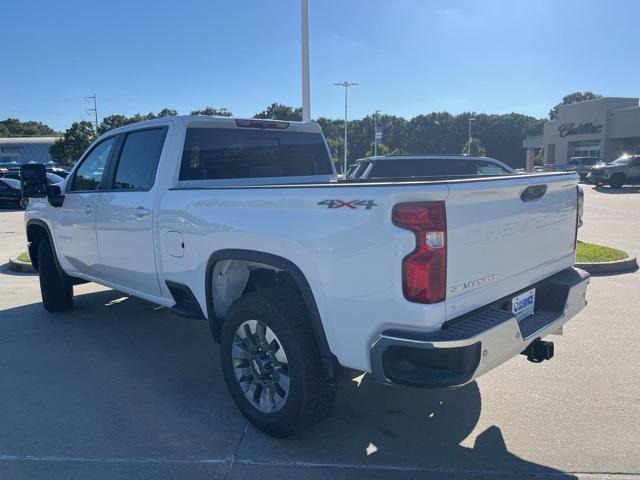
(499,136)
(496,135)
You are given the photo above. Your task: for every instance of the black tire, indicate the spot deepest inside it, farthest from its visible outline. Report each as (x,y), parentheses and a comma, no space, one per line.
(310,396)
(617,180)
(56,291)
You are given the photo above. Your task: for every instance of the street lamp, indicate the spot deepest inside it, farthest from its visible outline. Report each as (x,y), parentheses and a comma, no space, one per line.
(346,86)
(471,119)
(375,132)
(306,102)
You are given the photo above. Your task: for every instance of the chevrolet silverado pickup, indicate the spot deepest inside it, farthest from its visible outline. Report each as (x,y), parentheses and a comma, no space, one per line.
(242,222)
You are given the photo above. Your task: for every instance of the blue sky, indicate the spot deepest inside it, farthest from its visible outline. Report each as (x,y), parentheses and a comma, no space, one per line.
(409,56)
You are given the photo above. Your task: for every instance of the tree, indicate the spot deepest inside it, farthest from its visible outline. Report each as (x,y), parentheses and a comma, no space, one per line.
(477,150)
(12,127)
(278,111)
(216,112)
(574,97)
(167,112)
(118,120)
(382,150)
(73,144)
(111,122)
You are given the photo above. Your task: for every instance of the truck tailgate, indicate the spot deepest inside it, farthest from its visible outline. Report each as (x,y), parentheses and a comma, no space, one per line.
(505,234)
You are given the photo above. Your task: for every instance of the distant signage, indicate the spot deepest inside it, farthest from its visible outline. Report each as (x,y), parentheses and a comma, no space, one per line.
(378,134)
(568,129)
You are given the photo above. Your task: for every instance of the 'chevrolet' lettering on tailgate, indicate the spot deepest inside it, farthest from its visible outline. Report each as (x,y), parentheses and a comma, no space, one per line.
(495,229)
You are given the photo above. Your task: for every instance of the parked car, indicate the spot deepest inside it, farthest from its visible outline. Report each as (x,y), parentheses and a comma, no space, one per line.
(51,177)
(10,193)
(428,166)
(583,165)
(623,170)
(242,222)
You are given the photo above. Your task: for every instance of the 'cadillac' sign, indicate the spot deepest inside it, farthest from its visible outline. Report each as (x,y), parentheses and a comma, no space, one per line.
(570,128)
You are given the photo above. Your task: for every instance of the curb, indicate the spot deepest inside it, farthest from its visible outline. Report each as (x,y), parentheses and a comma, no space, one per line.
(20,266)
(602,268)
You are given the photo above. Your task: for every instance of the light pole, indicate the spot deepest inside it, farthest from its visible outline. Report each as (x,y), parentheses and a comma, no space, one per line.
(306,100)
(375,132)
(346,86)
(471,119)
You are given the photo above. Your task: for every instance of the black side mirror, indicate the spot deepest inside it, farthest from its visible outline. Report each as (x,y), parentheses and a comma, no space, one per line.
(55,196)
(33,180)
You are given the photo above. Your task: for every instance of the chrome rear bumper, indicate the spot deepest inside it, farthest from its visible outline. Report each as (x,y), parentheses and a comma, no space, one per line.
(474,343)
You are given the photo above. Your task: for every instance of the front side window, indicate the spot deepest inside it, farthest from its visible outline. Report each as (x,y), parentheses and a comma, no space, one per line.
(138,159)
(224,153)
(89,174)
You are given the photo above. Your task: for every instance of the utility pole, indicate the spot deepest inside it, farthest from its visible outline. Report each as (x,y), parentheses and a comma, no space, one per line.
(375,132)
(306,95)
(93,110)
(471,119)
(346,86)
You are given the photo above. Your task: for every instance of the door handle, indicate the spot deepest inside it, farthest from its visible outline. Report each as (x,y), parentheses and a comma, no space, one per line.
(141,212)
(87,209)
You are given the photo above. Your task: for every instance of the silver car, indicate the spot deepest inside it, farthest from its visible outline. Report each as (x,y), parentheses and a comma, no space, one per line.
(583,165)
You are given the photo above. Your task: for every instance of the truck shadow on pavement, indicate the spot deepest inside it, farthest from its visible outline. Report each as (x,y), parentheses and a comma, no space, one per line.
(118,377)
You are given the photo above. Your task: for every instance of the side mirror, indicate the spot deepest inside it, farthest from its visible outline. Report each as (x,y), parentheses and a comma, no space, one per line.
(33,180)
(55,196)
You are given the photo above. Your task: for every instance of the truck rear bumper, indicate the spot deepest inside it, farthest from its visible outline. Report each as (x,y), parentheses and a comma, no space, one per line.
(473,344)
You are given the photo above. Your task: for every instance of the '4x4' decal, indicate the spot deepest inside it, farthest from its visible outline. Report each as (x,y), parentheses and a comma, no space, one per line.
(353,204)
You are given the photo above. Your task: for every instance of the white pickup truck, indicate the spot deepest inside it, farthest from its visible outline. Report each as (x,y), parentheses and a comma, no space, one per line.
(242,222)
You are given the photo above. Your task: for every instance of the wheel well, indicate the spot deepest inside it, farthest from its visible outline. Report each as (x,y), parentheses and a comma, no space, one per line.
(232,273)
(233,278)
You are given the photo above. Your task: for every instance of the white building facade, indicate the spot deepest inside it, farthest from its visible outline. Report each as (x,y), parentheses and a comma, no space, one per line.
(605,128)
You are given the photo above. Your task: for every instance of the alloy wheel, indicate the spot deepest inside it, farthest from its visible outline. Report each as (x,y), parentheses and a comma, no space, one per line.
(260,366)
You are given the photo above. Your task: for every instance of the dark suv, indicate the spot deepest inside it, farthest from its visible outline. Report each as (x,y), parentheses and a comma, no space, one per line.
(427,166)
(623,170)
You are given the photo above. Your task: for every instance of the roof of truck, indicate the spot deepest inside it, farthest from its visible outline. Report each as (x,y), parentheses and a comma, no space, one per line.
(225,122)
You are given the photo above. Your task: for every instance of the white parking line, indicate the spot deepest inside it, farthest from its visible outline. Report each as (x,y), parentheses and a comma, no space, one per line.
(312,465)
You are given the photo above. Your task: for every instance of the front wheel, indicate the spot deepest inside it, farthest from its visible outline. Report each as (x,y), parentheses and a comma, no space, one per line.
(617,180)
(56,291)
(271,363)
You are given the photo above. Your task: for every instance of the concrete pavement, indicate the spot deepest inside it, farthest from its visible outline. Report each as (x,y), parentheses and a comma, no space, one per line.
(119,388)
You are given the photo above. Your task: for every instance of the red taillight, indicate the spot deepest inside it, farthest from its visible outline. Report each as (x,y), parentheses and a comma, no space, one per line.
(424,271)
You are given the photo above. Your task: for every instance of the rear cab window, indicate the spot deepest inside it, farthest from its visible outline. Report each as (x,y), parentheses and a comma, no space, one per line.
(240,155)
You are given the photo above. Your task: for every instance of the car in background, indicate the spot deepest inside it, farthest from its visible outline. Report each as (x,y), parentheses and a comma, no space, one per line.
(11,194)
(52,178)
(428,166)
(583,165)
(623,170)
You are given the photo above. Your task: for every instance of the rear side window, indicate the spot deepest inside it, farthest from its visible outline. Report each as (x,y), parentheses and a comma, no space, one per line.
(139,157)
(222,153)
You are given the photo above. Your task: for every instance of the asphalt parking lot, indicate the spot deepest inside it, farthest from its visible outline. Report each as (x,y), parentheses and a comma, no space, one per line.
(119,388)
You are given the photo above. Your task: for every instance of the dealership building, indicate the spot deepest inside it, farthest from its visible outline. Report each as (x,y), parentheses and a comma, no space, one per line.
(18,150)
(605,128)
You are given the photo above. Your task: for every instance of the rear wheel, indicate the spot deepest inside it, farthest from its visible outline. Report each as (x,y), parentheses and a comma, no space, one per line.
(56,291)
(617,180)
(271,363)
